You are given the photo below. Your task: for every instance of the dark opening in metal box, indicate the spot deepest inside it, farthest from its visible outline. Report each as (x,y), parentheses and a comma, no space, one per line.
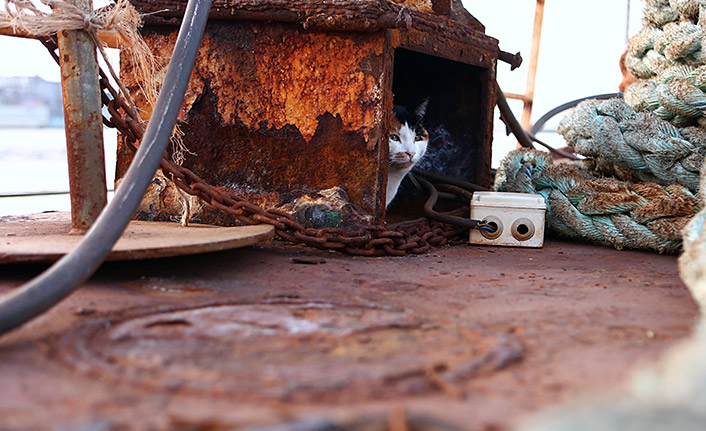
(292,98)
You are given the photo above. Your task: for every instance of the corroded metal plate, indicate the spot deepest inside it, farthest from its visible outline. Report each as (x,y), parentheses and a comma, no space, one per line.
(45,238)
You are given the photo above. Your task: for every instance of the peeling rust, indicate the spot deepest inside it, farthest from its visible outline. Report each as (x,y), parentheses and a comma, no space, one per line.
(287,77)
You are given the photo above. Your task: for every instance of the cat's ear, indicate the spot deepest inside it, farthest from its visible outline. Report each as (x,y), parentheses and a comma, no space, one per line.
(422,108)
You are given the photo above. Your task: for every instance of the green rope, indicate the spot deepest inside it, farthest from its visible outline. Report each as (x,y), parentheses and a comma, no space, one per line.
(677,94)
(583,206)
(635,146)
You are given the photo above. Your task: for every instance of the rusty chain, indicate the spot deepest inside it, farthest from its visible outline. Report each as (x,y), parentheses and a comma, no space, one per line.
(400,239)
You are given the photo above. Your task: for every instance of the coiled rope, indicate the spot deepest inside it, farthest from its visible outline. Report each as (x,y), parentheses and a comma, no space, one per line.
(637,189)
(668,59)
(603,210)
(635,146)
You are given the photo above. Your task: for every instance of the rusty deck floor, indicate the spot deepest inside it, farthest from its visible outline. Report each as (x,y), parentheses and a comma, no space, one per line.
(284,338)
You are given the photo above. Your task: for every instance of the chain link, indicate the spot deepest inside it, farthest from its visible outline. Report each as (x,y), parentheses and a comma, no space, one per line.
(416,237)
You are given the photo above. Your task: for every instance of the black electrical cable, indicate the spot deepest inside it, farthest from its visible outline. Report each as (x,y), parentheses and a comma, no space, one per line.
(445,218)
(448,180)
(525,138)
(560,153)
(62,278)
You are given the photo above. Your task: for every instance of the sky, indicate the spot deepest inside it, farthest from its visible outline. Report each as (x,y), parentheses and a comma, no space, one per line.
(579,51)
(27,57)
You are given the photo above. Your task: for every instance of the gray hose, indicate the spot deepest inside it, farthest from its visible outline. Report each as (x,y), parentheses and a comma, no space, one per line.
(62,278)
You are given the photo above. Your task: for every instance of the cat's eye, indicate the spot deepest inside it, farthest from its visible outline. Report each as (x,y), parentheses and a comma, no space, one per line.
(394,137)
(418,138)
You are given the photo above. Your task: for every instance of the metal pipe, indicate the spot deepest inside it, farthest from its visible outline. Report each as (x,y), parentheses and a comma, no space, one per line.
(533,60)
(41,293)
(83,124)
(514,60)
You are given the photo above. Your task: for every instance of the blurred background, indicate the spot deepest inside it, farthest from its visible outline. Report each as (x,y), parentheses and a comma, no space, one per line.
(579,49)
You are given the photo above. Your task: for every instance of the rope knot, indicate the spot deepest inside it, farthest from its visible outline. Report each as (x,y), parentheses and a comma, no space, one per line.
(87,24)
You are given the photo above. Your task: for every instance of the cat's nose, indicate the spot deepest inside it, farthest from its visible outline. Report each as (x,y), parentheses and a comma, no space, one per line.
(411,155)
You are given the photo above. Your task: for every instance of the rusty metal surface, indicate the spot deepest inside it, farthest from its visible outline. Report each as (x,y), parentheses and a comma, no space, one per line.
(83,122)
(282,112)
(465,338)
(277,112)
(46,238)
(346,15)
(417,236)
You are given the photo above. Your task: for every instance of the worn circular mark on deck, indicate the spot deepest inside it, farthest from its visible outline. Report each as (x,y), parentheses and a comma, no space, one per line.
(295,352)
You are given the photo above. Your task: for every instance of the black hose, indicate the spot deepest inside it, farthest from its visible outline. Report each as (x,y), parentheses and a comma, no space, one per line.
(62,278)
(444,218)
(539,124)
(560,153)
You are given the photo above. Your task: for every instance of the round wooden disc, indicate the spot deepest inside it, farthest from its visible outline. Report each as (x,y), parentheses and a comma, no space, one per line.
(45,238)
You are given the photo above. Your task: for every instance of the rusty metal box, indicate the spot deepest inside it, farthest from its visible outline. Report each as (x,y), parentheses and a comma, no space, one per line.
(292,99)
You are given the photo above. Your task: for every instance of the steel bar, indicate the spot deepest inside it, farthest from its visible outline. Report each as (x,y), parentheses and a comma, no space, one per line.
(511,122)
(44,291)
(532,72)
(83,123)
(515,96)
(514,60)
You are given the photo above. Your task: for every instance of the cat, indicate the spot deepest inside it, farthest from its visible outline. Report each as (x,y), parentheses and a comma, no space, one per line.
(408,142)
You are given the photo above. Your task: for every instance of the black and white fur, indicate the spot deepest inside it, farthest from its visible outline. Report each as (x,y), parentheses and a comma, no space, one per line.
(408,142)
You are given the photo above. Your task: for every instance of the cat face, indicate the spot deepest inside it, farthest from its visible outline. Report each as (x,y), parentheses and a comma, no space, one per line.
(407,139)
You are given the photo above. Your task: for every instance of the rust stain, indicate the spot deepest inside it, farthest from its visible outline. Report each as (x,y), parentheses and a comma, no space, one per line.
(280,78)
(162,45)
(425,6)
(292,78)
(278,112)
(263,338)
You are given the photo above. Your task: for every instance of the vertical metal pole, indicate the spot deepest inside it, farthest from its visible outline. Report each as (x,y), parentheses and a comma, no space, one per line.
(627,24)
(83,124)
(532,73)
